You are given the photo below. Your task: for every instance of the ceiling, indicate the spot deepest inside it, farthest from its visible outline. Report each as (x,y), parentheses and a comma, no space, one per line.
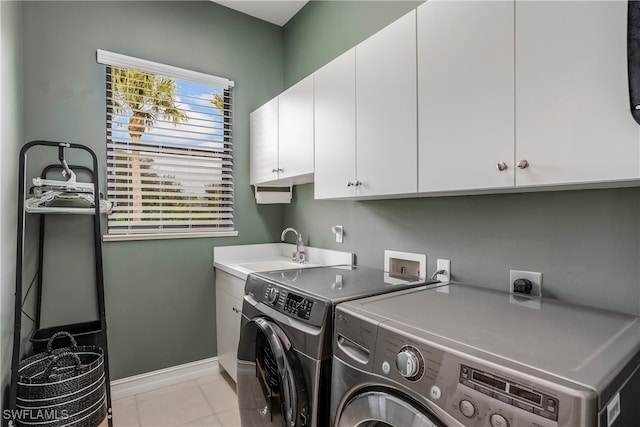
(275,11)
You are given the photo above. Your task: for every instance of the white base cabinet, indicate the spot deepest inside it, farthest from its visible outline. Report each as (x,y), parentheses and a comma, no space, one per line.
(229,296)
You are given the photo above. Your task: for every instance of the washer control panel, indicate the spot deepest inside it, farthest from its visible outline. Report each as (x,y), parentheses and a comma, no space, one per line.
(292,304)
(298,305)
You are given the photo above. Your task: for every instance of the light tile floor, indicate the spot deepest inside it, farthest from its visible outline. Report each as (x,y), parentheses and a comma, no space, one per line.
(205,402)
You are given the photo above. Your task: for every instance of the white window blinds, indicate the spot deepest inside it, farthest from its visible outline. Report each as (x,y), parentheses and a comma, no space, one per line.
(169,149)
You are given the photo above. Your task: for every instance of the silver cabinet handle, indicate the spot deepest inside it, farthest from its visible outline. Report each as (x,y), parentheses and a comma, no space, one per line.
(502,166)
(349,183)
(523,164)
(280,170)
(274,170)
(357,183)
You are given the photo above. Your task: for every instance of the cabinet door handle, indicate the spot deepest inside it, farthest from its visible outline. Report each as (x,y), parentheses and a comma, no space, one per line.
(358,183)
(349,183)
(274,170)
(523,164)
(502,166)
(280,170)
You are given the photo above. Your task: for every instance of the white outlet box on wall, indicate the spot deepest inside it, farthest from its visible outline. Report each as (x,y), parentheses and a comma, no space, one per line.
(405,263)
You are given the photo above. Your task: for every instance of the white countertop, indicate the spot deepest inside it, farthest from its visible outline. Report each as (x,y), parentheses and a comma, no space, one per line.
(241,260)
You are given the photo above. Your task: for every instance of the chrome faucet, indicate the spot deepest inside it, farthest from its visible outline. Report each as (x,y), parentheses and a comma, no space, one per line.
(298,255)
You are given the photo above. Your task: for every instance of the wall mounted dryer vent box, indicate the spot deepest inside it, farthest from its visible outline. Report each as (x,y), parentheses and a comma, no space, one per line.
(405,263)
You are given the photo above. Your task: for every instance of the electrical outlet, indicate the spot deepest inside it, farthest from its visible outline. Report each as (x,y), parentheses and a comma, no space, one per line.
(444,264)
(534,276)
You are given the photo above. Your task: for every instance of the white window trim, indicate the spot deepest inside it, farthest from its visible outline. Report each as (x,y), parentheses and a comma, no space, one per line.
(118,60)
(166,236)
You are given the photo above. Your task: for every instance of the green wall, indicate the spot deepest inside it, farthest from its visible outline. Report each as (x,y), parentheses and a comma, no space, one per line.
(11,136)
(159,294)
(322,30)
(586,243)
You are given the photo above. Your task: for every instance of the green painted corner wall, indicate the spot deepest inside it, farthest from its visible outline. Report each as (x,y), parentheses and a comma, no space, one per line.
(586,243)
(160,295)
(324,29)
(11,136)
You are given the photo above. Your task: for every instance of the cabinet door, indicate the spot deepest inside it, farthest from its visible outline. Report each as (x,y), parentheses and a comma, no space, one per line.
(573,123)
(386,116)
(465,95)
(335,127)
(228,312)
(295,130)
(263,160)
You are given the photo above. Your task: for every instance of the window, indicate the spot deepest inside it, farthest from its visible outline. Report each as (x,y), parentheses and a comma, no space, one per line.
(169,151)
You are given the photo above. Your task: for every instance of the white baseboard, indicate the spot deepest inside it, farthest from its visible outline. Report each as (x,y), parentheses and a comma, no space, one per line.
(164,377)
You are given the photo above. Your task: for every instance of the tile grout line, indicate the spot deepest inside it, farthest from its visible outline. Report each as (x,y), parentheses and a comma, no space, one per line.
(213,411)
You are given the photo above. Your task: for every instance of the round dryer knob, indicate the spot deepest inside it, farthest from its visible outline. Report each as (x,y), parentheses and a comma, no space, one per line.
(272,295)
(409,363)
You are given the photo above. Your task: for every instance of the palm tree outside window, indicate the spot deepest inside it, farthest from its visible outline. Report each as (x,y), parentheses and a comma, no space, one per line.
(169,154)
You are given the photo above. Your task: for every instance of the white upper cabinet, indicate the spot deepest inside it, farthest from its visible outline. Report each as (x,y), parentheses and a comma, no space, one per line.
(263,124)
(386,116)
(573,123)
(461,96)
(281,148)
(335,128)
(295,134)
(465,95)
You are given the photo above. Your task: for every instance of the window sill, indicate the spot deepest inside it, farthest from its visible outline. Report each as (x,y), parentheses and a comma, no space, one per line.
(166,236)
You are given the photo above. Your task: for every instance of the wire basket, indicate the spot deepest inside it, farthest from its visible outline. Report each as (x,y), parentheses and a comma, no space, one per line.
(62,387)
(85,333)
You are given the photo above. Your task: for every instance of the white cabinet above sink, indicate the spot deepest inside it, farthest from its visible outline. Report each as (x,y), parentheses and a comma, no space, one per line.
(281,146)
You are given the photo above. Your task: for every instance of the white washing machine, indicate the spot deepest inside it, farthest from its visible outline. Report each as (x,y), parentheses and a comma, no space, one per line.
(462,355)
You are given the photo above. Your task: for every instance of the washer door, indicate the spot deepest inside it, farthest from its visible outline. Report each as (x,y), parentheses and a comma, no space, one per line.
(270,385)
(381,409)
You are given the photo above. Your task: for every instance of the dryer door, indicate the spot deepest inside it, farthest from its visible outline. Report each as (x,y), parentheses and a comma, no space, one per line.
(271,390)
(381,409)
